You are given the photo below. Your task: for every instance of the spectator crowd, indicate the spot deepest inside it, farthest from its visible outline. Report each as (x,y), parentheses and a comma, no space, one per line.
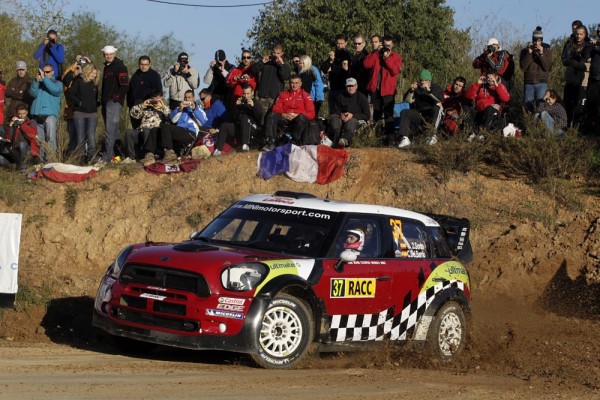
(266,101)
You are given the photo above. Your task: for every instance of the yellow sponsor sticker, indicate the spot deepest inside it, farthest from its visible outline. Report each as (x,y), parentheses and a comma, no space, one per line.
(352,287)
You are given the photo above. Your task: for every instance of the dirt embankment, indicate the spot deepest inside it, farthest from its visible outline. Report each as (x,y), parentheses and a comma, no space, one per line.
(536,272)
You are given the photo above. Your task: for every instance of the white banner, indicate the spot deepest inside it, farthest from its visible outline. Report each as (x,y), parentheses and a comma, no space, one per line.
(10,238)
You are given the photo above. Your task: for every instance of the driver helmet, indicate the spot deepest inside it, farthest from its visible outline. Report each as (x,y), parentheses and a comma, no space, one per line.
(359,241)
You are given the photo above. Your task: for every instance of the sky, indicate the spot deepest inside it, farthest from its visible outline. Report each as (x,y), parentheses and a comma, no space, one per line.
(203,30)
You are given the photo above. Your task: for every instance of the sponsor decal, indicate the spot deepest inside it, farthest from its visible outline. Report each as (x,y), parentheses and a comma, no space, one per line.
(231,300)
(157,288)
(224,314)
(353,287)
(152,296)
(230,307)
(447,271)
(279,200)
(369,262)
(282,264)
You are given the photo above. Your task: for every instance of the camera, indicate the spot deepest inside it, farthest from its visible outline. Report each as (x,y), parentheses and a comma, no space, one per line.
(187,103)
(384,49)
(490,48)
(273,57)
(244,100)
(153,102)
(18,122)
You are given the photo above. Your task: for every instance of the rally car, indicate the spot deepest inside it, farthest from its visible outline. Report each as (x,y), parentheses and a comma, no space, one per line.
(274,274)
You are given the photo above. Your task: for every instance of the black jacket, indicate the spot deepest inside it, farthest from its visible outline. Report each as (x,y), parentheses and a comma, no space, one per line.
(83,96)
(115,82)
(356,104)
(143,85)
(272,78)
(425,100)
(573,58)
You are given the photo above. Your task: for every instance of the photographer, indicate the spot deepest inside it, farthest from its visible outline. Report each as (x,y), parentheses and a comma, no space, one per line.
(216,76)
(337,68)
(496,59)
(22,134)
(83,97)
(68,77)
(51,53)
(536,62)
(272,71)
(384,66)
(489,95)
(180,78)
(241,75)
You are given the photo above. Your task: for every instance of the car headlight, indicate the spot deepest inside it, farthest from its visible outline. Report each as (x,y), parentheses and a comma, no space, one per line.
(243,277)
(104,293)
(115,268)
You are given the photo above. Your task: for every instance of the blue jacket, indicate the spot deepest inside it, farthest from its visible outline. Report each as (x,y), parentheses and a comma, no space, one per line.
(216,115)
(318,88)
(46,96)
(55,55)
(186,118)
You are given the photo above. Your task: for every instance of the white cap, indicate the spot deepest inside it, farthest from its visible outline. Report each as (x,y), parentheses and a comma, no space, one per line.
(109,49)
(493,41)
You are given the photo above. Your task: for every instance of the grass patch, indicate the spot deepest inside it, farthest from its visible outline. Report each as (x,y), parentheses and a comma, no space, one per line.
(14,188)
(194,220)
(71,195)
(28,296)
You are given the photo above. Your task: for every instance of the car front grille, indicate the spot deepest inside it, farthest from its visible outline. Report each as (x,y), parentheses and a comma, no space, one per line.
(165,278)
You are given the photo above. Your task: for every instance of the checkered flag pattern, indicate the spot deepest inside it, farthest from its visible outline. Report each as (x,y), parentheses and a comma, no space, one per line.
(387,324)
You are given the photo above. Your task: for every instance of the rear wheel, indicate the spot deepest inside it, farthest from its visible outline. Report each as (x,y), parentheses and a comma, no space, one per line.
(448,332)
(285,333)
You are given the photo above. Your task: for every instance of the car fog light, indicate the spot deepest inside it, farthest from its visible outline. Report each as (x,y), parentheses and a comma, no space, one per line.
(222,327)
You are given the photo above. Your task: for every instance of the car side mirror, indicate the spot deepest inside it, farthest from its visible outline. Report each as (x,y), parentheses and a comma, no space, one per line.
(347,256)
(193,234)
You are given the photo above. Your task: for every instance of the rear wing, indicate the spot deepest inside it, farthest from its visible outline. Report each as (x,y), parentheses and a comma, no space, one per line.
(457,233)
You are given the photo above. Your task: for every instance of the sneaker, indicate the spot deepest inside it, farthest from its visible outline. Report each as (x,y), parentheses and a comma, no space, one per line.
(245,147)
(432,140)
(268,147)
(148,159)
(471,137)
(342,143)
(217,153)
(405,142)
(128,161)
(170,156)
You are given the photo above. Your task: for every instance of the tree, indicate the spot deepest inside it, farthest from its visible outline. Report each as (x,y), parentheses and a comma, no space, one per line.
(422,30)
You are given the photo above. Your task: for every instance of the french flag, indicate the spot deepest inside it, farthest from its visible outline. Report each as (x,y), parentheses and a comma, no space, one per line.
(59,172)
(314,164)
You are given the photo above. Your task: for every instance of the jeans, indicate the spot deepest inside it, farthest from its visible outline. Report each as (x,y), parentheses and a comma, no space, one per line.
(533,92)
(71,130)
(111,112)
(86,136)
(46,133)
(549,122)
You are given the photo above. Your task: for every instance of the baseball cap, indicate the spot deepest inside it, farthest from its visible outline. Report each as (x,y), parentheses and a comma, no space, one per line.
(109,49)
(492,41)
(21,65)
(351,82)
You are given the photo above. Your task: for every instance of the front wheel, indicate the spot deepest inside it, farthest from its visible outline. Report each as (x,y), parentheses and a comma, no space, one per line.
(448,332)
(285,333)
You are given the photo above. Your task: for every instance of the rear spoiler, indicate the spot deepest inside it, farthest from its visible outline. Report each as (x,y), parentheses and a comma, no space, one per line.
(457,233)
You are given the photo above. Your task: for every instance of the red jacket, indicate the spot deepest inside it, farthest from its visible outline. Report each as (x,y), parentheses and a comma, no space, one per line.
(390,69)
(485,95)
(28,131)
(235,82)
(297,102)
(453,102)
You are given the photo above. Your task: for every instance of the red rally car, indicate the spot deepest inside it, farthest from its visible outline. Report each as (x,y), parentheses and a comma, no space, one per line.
(274,274)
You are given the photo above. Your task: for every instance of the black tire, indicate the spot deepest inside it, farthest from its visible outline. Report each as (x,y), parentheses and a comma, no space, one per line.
(286,333)
(448,332)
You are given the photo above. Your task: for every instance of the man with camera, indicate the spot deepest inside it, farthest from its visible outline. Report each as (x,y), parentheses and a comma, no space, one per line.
(489,95)
(180,78)
(150,115)
(384,65)
(337,68)
(17,91)
(496,59)
(69,76)
(22,133)
(50,53)
(46,91)
(536,62)
(144,83)
(187,120)
(273,72)
(241,75)
(216,76)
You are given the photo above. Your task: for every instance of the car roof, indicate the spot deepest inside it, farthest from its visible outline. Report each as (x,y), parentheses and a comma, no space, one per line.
(315,203)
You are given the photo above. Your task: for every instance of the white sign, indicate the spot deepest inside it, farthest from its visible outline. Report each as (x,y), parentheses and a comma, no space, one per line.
(10,239)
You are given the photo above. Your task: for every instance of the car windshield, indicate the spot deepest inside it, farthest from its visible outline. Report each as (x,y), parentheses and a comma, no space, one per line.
(277,228)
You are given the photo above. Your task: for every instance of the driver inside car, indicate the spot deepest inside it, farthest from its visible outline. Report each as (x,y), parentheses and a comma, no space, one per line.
(354,242)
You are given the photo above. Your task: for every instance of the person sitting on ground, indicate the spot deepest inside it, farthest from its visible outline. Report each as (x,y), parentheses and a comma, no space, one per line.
(218,120)
(187,119)
(425,99)
(458,110)
(246,115)
(489,95)
(151,113)
(551,111)
(293,110)
(22,134)
(349,108)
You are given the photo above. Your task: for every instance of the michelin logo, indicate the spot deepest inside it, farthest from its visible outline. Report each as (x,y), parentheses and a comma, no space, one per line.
(224,314)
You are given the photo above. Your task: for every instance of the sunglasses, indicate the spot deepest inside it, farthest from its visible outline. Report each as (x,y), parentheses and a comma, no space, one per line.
(358,43)
(48,72)
(246,58)
(296,61)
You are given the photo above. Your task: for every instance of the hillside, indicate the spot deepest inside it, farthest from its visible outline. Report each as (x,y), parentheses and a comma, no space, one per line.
(536,274)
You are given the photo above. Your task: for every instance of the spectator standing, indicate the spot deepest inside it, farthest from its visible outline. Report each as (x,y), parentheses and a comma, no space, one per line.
(337,67)
(489,95)
(425,99)
(575,54)
(384,65)
(358,70)
(241,75)
(536,62)
(2,98)
(272,72)
(49,52)
(115,84)
(145,82)
(216,76)
(551,112)
(179,79)
(69,75)
(83,96)
(311,81)
(349,108)
(17,90)
(593,89)
(46,92)
(493,58)
(293,110)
